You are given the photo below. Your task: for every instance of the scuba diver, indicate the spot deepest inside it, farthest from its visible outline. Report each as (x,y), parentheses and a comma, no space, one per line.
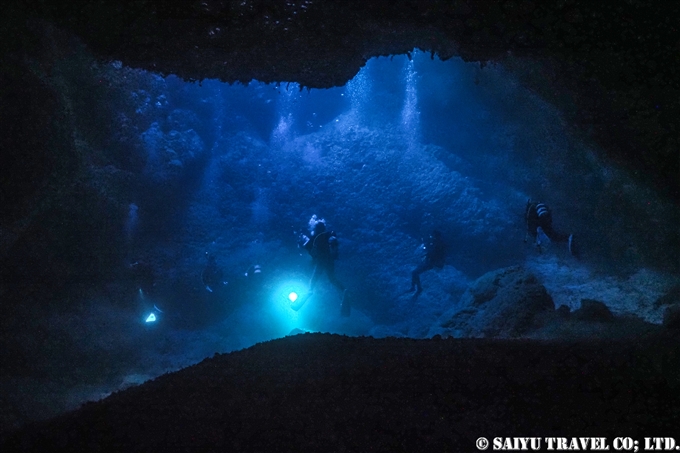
(142,276)
(322,246)
(435,256)
(254,272)
(211,276)
(539,220)
(253,281)
(240,287)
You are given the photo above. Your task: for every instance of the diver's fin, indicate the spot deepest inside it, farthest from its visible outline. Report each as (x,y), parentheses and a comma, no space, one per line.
(346,307)
(573,248)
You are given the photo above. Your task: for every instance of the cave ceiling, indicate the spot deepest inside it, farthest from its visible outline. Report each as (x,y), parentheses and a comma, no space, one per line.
(619,61)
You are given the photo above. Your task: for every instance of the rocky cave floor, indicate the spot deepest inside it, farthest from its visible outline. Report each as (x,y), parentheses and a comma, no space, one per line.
(323,392)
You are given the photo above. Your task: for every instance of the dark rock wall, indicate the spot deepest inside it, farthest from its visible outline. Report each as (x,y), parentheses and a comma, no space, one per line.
(81,144)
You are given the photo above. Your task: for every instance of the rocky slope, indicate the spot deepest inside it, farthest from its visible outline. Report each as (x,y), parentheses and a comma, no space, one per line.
(323,392)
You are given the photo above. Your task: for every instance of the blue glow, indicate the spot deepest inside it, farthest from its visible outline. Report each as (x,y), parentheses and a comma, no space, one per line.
(288,293)
(151,318)
(282,297)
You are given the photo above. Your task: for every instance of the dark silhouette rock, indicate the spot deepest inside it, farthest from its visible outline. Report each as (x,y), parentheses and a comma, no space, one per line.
(302,393)
(563,310)
(593,310)
(670,298)
(671,317)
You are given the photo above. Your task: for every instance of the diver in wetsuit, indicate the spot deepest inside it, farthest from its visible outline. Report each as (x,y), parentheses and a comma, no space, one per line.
(212,274)
(322,246)
(435,256)
(538,217)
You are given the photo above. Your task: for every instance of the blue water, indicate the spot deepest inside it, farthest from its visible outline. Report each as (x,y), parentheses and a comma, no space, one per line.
(407,146)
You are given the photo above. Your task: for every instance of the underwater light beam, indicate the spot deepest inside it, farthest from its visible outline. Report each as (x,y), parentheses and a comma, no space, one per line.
(410,115)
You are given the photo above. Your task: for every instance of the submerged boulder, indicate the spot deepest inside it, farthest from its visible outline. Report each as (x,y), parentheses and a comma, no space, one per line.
(593,310)
(501,303)
(672,296)
(671,317)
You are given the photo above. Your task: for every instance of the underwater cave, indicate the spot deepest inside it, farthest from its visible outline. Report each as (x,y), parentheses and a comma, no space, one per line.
(154,210)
